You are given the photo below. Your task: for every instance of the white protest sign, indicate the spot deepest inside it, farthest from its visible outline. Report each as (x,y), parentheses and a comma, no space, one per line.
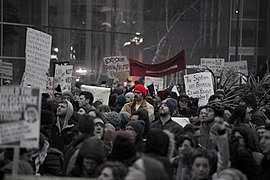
(50,86)
(214,64)
(20,116)
(115,64)
(6,70)
(156,81)
(230,70)
(199,85)
(100,93)
(182,121)
(37,54)
(63,76)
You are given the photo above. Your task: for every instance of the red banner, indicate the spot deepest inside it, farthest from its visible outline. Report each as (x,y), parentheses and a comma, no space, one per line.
(175,64)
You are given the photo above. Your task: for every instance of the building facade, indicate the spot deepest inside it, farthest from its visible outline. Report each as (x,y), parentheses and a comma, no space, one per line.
(85,31)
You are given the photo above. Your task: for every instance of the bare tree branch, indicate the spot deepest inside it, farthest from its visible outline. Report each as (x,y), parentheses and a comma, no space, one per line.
(166,12)
(162,41)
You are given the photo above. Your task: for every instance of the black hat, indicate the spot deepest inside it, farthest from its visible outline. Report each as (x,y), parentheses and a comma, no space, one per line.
(86,124)
(123,148)
(138,126)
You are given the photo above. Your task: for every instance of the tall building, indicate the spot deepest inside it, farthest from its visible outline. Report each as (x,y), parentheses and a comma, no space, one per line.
(85,31)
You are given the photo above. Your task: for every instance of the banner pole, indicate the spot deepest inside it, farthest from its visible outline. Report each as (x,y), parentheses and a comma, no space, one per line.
(16,158)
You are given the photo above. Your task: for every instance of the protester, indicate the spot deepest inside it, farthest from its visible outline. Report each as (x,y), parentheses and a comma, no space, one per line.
(85,100)
(265,164)
(165,122)
(140,102)
(112,171)
(62,132)
(90,156)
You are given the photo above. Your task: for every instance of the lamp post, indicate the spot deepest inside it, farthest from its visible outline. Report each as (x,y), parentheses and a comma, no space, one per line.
(237,30)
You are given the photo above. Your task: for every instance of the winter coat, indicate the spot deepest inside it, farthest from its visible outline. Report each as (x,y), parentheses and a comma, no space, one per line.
(60,138)
(265,169)
(130,108)
(53,163)
(170,125)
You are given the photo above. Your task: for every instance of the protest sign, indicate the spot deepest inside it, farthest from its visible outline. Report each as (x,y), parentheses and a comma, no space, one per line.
(100,93)
(50,86)
(115,64)
(199,85)
(63,76)
(231,70)
(37,56)
(156,81)
(6,70)
(20,116)
(182,121)
(214,64)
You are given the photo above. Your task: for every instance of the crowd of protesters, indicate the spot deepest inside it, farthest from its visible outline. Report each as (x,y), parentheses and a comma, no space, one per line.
(135,138)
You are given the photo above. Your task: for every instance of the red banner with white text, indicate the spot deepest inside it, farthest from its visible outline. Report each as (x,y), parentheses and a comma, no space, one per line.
(173,65)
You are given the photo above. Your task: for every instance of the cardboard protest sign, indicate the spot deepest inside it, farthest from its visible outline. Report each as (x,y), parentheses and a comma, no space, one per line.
(50,86)
(214,64)
(230,70)
(115,65)
(20,116)
(100,93)
(156,81)
(199,85)
(6,70)
(63,76)
(37,56)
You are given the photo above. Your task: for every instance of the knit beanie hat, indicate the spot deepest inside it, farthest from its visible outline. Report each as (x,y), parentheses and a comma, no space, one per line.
(138,126)
(162,94)
(85,124)
(92,148)
(68,93)
(121,100)
(140,88)
(130,95)
(157,142)
(123,147)
(171,105)
(250,100)
(114,118)
(125,118)
(217,107)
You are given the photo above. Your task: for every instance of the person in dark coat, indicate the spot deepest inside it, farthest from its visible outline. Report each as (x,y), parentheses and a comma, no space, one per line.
(165,122)
(265,164)
(241,156)
(91,155)
(85,128)
(62,132)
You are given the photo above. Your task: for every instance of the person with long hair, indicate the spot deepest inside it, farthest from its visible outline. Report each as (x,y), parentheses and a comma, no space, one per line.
(112,171)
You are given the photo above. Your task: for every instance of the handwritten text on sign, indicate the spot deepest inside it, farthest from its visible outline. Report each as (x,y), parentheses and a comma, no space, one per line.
(214,64)
(19,114)
(38,54)
(115,64)
(63,76)
(199,85)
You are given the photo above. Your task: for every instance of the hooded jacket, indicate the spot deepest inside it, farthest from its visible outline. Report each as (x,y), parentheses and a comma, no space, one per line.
(61,137)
